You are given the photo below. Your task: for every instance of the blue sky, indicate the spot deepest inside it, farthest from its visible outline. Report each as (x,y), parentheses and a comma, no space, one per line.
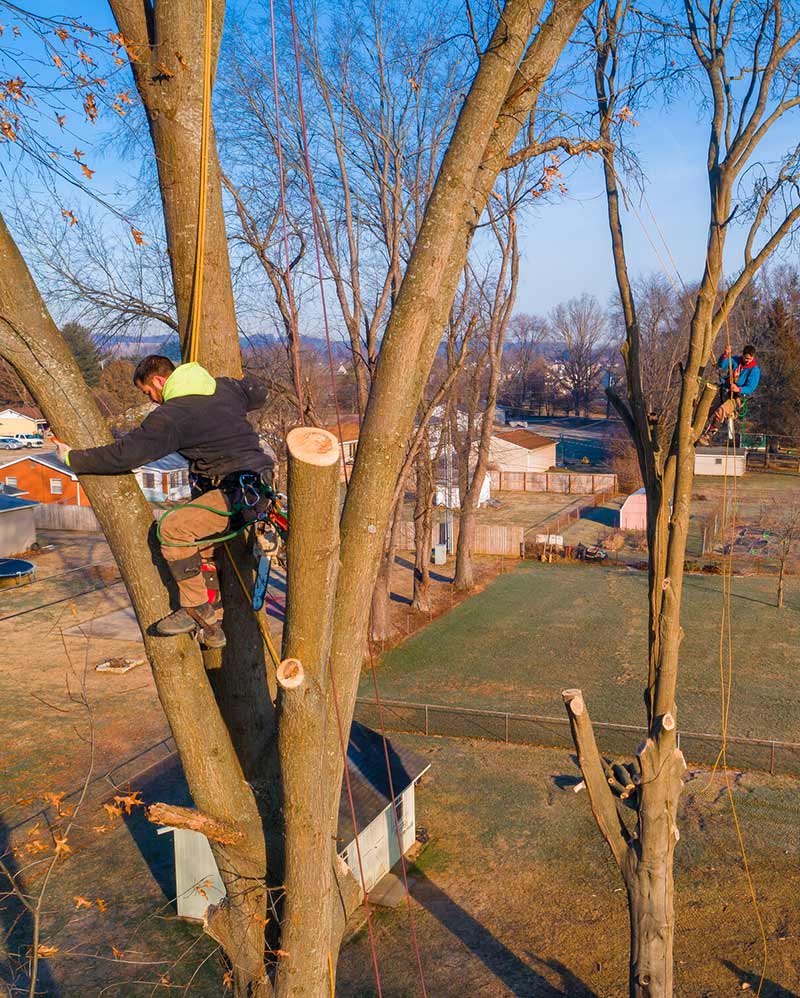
(565,243)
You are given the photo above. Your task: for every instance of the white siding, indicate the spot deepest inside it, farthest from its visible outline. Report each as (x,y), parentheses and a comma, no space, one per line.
(506,456)
(17,530)
(719,464)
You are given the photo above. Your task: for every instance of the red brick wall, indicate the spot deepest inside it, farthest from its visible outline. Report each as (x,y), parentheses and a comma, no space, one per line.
(34,479)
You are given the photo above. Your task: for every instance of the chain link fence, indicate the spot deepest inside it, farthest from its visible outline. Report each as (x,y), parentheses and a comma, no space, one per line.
(700,748)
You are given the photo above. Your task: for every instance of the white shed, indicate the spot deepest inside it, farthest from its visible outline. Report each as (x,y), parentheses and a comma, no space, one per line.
(521,450)
(451,497)
(720,461)
(17,524)
(197,880)
(633,512)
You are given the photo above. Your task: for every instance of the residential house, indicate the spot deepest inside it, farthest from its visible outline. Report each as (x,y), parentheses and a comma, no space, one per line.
(374,827)
(348,440)
(21,419)
(44,478)
(165,480)
(17,524)
(521,450)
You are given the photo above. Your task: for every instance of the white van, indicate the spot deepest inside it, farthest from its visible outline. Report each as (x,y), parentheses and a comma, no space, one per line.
(29,439)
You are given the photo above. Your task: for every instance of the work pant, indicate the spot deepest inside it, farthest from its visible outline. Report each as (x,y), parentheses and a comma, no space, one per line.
(193,567)
(727,408)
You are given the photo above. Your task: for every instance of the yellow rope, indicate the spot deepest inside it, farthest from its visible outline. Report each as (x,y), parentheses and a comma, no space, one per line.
(197,283)
(330,976)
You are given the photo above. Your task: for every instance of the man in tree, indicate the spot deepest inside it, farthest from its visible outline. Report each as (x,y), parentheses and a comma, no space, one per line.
(740,377)
(205,420)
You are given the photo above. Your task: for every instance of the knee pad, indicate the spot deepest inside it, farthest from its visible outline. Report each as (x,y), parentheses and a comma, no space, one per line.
(186,568)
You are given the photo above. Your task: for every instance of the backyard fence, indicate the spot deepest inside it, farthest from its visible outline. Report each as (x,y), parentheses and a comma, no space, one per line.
(54,516)
(564,482)
(555,524)
(499,539)
(701,748)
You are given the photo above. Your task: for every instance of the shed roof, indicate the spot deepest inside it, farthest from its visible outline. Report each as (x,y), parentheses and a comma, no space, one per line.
(720,451)
(369,781)
(11,490)
(49,460)
(10,503)
(350,429)
(24,410)
(172,462)
(525,438)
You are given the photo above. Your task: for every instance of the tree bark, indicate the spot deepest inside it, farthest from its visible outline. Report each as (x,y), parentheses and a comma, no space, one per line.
(313,552)
(423,527)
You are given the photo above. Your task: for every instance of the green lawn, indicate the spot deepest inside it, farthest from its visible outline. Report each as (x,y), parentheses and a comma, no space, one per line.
(538,629)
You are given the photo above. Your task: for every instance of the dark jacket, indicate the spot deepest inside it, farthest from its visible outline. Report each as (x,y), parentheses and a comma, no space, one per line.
(209,428)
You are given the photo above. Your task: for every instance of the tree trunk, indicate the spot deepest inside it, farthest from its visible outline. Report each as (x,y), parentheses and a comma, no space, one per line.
(781,573)
(168,44)
(32,344)
(381,611)
(423,528)
(313,552)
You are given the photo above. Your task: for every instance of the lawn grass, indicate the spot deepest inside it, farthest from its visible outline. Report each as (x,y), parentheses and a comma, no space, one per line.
(515,893)
(541,628)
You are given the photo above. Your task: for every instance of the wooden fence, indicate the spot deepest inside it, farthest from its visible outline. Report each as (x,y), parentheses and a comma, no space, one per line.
(504,540)
(564,482)
(55,516)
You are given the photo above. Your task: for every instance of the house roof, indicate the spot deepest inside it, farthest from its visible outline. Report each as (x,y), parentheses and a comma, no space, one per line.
(9,503)
(525,438)
(369,781)
(172,462)
(720,452)
(11,490)
(350,429)
(48,460)
(24,410)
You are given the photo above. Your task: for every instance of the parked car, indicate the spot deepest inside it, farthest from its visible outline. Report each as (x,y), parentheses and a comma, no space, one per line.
(29,439)
(11,443)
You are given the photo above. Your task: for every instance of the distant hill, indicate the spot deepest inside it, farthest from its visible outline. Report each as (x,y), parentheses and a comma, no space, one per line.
(138,346)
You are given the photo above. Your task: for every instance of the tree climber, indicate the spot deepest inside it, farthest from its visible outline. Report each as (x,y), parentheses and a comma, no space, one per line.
(205,420)
(740,379)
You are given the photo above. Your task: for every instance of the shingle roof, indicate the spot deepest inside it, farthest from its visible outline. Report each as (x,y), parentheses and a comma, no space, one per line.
(525,438)
(25,410)
(10,503)
(369,781)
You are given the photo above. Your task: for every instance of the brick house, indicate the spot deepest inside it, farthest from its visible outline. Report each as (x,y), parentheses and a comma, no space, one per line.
(43,478)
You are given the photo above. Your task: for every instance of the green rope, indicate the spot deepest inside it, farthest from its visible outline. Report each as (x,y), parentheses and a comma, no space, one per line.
(200,541)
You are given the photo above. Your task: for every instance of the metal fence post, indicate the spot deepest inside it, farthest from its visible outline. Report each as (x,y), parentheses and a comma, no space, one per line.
(426,719)
(506,729)
(772,759)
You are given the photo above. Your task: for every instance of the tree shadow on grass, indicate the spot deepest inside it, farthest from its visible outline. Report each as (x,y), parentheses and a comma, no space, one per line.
(16,933)
(518,976)
(436,576)
(689,581)
(608,517)
(768,990)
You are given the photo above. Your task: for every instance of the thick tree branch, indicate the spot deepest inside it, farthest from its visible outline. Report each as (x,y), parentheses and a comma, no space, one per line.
(569,146)
(195,821)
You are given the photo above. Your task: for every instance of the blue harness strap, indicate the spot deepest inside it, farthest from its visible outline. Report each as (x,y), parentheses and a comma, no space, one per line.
(262,581)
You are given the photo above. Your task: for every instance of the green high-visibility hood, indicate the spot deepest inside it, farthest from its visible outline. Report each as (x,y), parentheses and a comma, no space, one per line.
(188,379)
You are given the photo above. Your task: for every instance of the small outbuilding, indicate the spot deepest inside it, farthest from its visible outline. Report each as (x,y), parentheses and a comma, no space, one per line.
(521,450)
(17,524)
(633,512)
(378,840)
(720,461)
(165,479)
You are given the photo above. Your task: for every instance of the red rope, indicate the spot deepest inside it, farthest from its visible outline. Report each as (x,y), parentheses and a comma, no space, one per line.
(315,227)
(294,346)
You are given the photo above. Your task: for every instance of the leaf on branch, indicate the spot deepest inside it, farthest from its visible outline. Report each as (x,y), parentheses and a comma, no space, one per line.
(138,237)
(44,951)
(63,34)
(78,153)
(626,115)
(124,97)
(62,847)
(280,952)
(131,800)
(181,60)
(112,810)
(7,130)
(87,172)
(85,58)
(58,61)
(61,119)
(118,954)
(90,107)
(69,216)
(101,904)
(227,980)
(81,902)
(165,980)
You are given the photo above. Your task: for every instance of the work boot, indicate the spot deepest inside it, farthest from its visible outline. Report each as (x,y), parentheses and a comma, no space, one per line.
(199,619)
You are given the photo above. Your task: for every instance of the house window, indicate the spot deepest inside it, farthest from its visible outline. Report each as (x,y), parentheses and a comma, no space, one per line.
(56,487)
(345,854)
(148,480)
(12,482)
(399,808)
(717,460)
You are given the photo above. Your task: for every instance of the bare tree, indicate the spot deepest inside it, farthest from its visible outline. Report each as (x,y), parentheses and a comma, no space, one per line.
(759,41)
(782,520)
(256,776)
(526,337)
(578,334)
